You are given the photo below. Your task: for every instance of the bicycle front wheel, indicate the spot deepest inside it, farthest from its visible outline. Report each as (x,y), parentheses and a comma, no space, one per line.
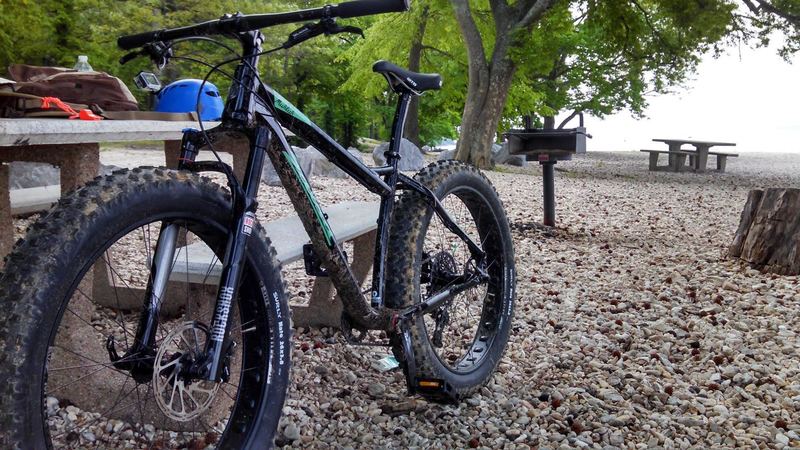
(73,293)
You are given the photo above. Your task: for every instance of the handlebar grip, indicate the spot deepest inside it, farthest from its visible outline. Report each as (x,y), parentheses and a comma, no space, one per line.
(137,40)
(368,7)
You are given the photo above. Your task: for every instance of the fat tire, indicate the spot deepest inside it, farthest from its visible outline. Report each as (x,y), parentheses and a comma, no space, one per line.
(409,223)
(54,252)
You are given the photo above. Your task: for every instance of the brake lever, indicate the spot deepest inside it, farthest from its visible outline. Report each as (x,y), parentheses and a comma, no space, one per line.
(130,56)
(159,52)
(324,26)
(336,29)
(304,33)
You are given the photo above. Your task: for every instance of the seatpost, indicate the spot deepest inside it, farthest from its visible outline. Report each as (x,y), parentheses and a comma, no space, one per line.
(387,201)
(393,153)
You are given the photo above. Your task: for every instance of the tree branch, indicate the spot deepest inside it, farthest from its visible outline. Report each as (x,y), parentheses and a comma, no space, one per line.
(765,6)
(531,11)
(470,33)
(438,50)
(566,121)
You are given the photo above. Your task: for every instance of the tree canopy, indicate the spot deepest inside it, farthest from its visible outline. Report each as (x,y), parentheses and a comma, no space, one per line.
(500,60)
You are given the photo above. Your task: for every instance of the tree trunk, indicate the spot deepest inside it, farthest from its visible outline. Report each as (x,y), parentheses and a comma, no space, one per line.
(769,231)
(414,57)
(549,122)
(482,113)
(490,77)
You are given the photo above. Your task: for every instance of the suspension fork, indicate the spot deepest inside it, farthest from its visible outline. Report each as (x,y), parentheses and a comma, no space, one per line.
(242,226)
(160,269)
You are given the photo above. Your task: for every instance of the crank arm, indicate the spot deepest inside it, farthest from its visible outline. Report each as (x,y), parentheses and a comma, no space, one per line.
(433,202)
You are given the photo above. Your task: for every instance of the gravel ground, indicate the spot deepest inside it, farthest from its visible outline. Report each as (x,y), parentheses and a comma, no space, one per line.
(632,328)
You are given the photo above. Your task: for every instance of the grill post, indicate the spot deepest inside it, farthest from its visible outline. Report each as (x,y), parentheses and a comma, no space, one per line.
(548,192)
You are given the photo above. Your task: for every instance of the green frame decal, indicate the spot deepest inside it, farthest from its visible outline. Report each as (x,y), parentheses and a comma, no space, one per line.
(298,173)
(286,106)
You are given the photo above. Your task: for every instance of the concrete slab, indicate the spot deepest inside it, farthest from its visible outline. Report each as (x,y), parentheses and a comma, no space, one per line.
(30,200)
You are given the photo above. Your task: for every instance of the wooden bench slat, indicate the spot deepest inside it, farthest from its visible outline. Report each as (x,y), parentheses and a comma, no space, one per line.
(682,152)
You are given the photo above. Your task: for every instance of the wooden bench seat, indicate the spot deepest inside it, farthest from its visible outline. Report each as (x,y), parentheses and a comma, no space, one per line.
(722,159)
(677,160)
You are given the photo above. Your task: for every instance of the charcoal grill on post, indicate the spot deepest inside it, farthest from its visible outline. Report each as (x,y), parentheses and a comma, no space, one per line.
(548,147)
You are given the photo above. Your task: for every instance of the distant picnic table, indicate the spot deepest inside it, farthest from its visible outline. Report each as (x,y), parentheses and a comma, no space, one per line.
(698,158)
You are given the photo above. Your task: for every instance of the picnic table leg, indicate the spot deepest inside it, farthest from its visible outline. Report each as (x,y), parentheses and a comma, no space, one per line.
(172,151)
(548,193)
(79,164)
(721,160)
(6,224)
(672,157)
(702,158)
(653,162)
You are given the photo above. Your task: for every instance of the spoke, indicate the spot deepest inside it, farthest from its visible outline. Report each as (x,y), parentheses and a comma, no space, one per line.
(222,388)
(116,296)
(108,365)
(78,379)
(119,398)
(89,299)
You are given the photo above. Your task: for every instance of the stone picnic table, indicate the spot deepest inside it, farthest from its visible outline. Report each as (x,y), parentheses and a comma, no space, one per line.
(74,147)
(698,158)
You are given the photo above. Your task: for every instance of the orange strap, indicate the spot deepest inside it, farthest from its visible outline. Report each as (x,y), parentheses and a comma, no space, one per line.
(85,114)
(46,104)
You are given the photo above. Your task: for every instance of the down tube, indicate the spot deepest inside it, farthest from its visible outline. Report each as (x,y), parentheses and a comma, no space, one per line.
(315,224)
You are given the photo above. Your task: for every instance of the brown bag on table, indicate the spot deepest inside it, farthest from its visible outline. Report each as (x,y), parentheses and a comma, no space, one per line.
(84,88)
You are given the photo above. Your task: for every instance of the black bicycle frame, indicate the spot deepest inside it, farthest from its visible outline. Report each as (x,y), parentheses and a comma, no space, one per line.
(259,113)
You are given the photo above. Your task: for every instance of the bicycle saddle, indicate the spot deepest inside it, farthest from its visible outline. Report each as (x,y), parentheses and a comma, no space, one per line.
(401,79)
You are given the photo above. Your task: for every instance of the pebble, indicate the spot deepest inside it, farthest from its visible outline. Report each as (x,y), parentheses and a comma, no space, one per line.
(291,432)
(376,389)
(513,433)
(632,329)
(88,436)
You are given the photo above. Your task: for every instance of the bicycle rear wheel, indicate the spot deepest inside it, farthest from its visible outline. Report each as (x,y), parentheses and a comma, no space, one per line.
(457,346)
(73,292)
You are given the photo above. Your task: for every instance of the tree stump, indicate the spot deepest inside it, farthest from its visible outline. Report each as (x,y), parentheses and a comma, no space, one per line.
(769,231)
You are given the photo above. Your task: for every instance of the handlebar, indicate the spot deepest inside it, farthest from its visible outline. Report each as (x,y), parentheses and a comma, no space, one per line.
(241,24)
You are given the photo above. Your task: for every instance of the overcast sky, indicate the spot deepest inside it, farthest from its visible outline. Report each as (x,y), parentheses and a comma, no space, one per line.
(749,96)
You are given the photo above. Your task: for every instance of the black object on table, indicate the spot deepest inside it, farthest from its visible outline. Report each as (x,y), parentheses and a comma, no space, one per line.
(547,147)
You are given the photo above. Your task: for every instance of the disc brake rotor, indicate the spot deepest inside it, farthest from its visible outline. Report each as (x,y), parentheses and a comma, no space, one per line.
(180,397)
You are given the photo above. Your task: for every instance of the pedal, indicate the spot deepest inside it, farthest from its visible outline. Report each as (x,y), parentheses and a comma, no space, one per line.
(433,389)
(436,390)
